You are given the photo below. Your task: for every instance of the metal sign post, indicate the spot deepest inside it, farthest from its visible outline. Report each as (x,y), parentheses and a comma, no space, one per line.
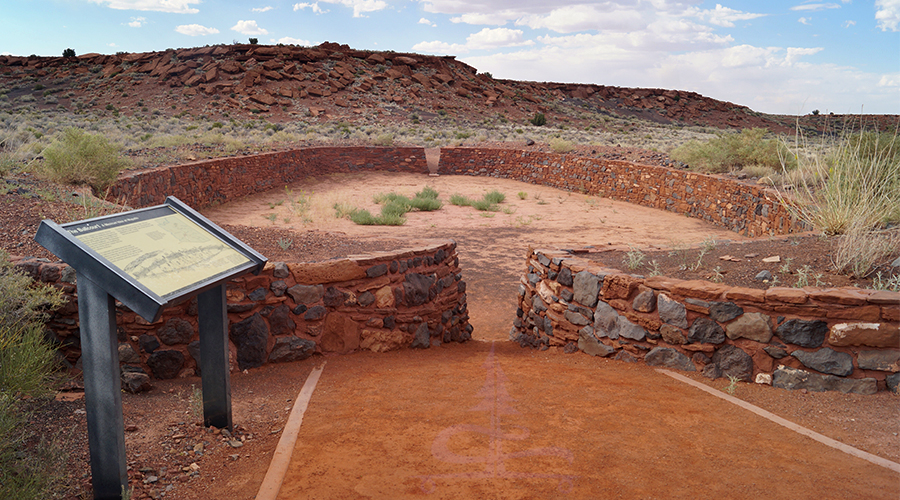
(147,259)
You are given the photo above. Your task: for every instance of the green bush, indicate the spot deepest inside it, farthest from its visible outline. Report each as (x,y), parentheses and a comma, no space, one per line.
(494,197)
(729,152)
(69,52)
(26,368)
(539,120)
(460,200)
(78,157)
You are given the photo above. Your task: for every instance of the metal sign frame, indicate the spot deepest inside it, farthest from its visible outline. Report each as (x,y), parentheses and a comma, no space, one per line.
(100,283)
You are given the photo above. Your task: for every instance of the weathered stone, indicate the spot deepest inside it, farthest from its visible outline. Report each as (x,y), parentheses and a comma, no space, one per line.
(605,318)
(644,301)
(724,312)
(278,288)
(886,361)
(586,287)
(537,304)
(166,364)
(280,270)
(127,354)
(422,337)
(869,334)
(670,358)
(377,270)
(315,313)
(625,356)
(250,337)
(291,348)
(629,330)
(826,360)
(334,297)
(701,359)
(763,275)
(194,352)
(734,362)
(257,295)
(366,299)
(803,333)
(384,341)
(753,326)
(135,382)
(148,343)
(280,322)
(339,334)
(176,331)
(775,351)
(706,331)
(564,277)
(893,382)
(711,371)
(590,345)
(384,297)
(306,294)
(795,379)
(576,318)
(416,288)
(328,272)
(671,311)
(672,334)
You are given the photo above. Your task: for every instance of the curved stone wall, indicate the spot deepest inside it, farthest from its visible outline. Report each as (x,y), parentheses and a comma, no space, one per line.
(412,298)
(746,209)
(844,339)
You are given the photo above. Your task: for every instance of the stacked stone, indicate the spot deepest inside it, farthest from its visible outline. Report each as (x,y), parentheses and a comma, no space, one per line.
(745,209)
(843,339)
(203,183)
(414,298)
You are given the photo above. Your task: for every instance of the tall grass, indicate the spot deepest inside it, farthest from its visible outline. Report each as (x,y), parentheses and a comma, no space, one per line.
(730,151)
(26,364)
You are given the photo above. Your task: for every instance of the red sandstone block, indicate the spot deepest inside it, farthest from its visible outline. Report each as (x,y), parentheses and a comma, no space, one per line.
(787,295)
(890,313)
(845,296)
(803,311)
(700,289)
(862,313)
(662,282)
(748,294)
(884,297)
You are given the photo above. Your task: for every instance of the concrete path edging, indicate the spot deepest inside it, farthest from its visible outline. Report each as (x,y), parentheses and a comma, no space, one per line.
(875,459)
(281,459)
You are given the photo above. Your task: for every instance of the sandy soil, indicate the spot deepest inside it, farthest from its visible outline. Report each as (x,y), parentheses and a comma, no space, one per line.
(491,245)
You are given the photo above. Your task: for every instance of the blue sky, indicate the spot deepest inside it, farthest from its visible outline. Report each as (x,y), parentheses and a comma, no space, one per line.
(788,57)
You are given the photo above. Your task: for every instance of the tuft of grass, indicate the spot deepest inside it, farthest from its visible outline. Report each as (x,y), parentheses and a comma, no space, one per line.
(522,195)
(494,197)
(561,145)
(285,244)
(859,251)
(633,258)
(460,200)
(78,157)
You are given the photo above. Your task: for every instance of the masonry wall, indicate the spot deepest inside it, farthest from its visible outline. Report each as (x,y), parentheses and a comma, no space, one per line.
(746,209)
(844,339)
(413,298)
(204,183)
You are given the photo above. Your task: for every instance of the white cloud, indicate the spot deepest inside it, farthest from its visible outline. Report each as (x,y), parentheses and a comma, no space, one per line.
(249,28)
(889,80)
(848,23)
(804,20)
(427,22)
(723,16)
(574,18)
(195,30)
(173,6)
(888,14)
(498,18)
(437,47)
(311,6)
(360,6)
(485,39)
(813,7)
(136,22)
(262,9)
(293,41)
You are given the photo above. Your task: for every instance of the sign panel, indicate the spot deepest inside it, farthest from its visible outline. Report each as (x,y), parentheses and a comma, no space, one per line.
(159,248)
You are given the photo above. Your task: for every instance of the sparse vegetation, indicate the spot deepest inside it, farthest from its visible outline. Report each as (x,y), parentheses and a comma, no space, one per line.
(539,120)
(633,259)
(734,151)
(79,157)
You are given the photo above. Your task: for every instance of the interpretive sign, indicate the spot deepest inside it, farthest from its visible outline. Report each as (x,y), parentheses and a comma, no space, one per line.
(147,259)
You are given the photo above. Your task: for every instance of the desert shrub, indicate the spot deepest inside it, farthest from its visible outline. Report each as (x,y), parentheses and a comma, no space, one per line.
(484,205)
(69,52)
(26,367)
(460,200)
(79,157)
(494,197)
(384,140)
(561,145)
(731,151)
(859,251)
(539,120)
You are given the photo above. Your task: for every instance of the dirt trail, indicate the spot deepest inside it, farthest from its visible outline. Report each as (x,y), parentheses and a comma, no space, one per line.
(491,420)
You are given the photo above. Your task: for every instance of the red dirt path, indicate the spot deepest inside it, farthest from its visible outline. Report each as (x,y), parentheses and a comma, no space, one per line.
(491,420)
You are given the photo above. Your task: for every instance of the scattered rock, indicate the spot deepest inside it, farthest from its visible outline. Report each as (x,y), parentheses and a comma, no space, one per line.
(734,362)
(670,358)
(763,275)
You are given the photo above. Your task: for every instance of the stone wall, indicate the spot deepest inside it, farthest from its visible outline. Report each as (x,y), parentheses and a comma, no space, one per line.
(746,209)
(412,298)
(844,339)
(204,183)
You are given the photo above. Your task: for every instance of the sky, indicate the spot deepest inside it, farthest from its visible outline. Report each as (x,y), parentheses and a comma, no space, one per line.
(774,56)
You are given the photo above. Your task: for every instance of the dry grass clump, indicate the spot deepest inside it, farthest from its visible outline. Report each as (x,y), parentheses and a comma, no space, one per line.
(730,151)
(79,157)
